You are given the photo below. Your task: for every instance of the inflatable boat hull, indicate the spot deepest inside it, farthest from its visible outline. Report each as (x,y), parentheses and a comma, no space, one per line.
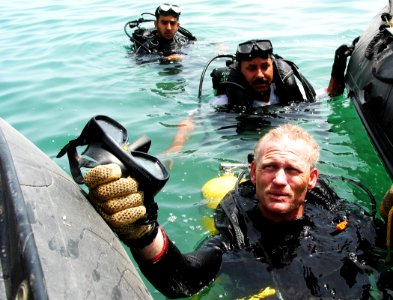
(369,81)
(53,243)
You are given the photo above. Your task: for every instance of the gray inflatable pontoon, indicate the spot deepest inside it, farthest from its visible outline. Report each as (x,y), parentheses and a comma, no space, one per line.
(369,81)
(53,243)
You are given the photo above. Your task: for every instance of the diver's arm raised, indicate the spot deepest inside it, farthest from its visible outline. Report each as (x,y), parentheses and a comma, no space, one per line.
(337,79)
(121,204)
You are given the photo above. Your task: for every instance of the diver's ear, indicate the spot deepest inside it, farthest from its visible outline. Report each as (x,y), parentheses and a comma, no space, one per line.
(253,175)
(155,24)
(313,178)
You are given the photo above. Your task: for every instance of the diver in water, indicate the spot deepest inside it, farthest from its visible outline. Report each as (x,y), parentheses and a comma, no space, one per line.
(255,79)
(284,229)
(166,39)
(259,78)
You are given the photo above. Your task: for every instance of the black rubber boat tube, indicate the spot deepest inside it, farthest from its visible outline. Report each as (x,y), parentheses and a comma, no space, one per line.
(21,267)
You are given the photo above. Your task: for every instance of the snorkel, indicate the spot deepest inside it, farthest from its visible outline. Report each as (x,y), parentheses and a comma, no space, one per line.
(107,142)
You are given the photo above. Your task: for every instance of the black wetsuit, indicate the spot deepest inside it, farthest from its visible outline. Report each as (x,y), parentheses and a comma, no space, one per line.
(231,82)
(151,43)
(304,259)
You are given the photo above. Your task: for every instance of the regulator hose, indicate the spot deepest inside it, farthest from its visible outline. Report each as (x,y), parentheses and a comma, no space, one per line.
(205,69)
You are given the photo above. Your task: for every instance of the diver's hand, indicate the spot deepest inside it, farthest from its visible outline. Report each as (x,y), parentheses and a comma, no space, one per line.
(120,204)
(175,57)
(340,60)
(337,80)
(343,51)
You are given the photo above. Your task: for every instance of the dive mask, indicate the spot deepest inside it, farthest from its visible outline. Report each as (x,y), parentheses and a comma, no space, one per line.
(254,48)
(107,142)
(168,9)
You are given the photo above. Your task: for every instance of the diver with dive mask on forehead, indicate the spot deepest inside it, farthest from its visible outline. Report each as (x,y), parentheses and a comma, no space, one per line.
(166,39)
(254,77)
(257,77)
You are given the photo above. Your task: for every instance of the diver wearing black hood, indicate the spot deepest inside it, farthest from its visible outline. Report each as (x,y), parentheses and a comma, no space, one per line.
(258,78)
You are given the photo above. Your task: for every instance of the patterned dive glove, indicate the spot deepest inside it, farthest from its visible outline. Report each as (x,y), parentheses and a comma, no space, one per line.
(120,204)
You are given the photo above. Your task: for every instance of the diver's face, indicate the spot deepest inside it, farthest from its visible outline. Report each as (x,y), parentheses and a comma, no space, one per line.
(282,177)
(167,26)
(258,73)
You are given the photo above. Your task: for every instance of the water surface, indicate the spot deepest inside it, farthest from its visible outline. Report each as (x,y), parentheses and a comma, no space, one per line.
(62,63)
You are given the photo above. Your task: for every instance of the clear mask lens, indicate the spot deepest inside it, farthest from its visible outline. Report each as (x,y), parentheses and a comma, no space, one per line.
(168,7)
(261,45)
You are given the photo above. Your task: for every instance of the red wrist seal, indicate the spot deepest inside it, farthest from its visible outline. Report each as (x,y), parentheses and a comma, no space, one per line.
(164,248)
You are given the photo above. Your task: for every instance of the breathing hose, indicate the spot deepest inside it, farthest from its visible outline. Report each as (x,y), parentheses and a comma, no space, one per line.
(205,69)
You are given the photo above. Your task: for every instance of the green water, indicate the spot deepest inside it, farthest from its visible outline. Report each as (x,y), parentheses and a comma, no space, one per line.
(62,63)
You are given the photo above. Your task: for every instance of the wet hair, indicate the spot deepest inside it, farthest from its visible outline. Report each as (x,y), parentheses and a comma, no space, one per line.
(291,132)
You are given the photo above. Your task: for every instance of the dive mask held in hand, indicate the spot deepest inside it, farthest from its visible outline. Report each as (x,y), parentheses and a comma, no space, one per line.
(107,142)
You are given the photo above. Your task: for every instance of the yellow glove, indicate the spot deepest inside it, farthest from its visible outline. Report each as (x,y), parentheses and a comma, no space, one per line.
(119,203)
(386,204)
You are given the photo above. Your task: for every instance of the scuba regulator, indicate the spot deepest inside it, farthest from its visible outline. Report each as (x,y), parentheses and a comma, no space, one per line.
(107,142)
(139,35)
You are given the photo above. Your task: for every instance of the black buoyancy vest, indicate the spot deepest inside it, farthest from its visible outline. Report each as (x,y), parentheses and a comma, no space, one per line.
(231,214)
(147,41)
(230,81)
(339,261)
